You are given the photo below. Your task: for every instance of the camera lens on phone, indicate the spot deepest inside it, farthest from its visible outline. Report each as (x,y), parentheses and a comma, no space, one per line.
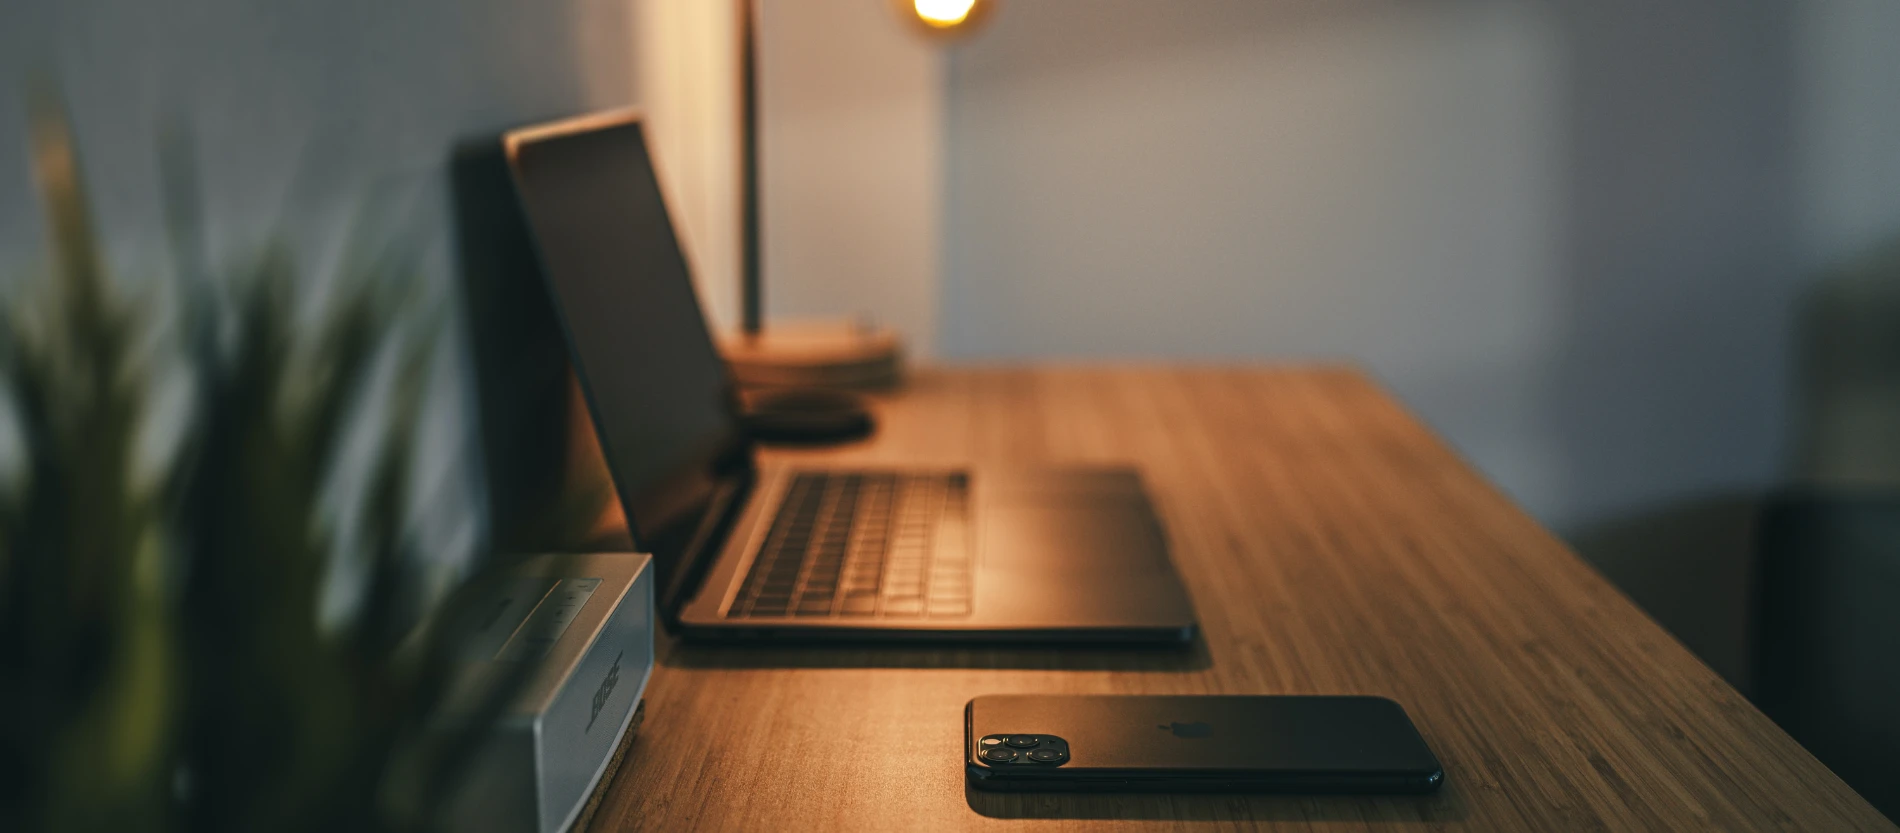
(999,754)
(1023,741)
(1046,755)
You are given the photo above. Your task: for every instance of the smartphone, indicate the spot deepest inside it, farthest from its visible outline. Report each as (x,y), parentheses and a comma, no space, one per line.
(1293,744)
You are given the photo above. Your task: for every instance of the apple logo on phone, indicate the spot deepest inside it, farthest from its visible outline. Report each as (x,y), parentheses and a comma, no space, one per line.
(1197,729)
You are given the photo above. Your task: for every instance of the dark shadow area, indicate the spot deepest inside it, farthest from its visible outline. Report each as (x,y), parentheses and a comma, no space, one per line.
(1691,565)
(1829,632)
(1447,805)
(807,654)
(520,363)
(1847,429)
(1827,596)
(1668,399)
(547,484)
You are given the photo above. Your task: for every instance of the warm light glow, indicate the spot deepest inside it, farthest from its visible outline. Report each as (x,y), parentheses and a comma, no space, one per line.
(944,14)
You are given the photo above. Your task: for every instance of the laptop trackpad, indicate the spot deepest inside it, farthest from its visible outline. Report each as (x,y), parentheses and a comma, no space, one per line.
(1076,563)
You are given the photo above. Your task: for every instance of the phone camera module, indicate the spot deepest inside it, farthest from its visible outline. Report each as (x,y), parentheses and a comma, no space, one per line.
(1022,750)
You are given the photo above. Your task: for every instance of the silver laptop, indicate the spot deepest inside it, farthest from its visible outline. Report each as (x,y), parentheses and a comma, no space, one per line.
(745,551)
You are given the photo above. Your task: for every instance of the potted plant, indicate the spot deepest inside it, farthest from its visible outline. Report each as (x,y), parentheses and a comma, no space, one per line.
(164,662)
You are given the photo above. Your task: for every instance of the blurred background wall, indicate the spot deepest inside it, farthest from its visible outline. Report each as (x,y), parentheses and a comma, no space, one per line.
(335,97)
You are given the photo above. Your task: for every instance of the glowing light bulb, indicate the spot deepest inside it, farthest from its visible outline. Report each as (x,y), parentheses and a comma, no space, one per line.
(943,14)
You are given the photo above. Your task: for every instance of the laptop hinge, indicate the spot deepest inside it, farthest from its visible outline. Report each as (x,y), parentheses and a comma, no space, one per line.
(707,540)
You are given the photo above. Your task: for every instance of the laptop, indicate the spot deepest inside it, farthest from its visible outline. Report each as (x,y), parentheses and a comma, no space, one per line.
(805,551)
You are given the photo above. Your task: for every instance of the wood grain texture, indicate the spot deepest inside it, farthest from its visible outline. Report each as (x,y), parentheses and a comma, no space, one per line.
(1332,545)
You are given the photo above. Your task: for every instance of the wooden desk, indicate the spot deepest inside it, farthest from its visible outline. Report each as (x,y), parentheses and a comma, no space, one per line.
(1332,544)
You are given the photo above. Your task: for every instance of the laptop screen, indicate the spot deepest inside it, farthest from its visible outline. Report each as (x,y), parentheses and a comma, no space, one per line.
(659,394)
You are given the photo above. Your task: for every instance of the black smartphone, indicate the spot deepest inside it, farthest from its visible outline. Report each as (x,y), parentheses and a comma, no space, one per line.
(1295,744)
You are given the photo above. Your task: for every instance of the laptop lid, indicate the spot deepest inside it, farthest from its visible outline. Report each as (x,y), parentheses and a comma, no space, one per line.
(663,403)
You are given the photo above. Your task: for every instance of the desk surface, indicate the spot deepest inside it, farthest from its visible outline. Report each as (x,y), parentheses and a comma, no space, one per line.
(1331,544)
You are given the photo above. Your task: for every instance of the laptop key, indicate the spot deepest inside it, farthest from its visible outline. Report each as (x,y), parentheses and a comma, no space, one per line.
(903,607)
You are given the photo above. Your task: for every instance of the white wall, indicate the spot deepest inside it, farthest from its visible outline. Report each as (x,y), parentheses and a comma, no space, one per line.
(331,97)
(852,149)
(686,54)
(851,155)
(1515,213)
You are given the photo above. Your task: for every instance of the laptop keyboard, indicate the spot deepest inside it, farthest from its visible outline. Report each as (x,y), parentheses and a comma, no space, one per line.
(864,545)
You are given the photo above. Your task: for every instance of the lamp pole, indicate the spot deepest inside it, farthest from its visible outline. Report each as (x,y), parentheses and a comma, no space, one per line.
(751,306)
(812,354)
